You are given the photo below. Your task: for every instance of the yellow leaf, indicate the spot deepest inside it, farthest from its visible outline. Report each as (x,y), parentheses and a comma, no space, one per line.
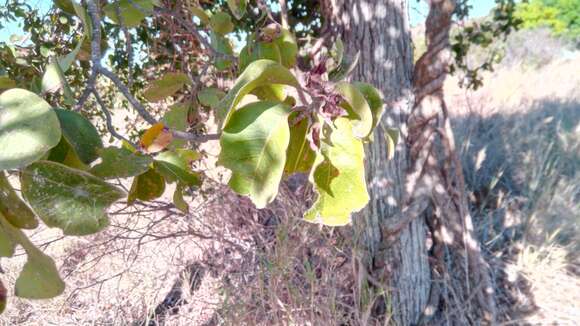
(156,138)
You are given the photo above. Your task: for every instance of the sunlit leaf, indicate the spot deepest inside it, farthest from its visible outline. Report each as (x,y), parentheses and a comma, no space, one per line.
(288,48)
(72,200)
(253,147)
(339,178)
(121,163)
(147,186)
(29,128)
(221,23)
(258,73)
(375,100)
(358,109)
(13,208)
(166,86)
(391,137)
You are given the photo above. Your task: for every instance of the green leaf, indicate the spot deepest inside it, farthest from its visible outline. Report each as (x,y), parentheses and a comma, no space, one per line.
(166,86)
(221,23)
(39,277)
(253,147)
(175,167)
(238,8)
(120,163)
(375,100)
(299,156)
(80,134)
(288,48)
(13,208)
(358,109)
(258,73)
(339,178)
(257,51)
(223,46)
(72,200)
(147,186)
(7,246)
(210,96)
(65,154)
(199,13)
(132,11)
(6,82)
(29,128)
(53,78)
(176,119)
(178,200)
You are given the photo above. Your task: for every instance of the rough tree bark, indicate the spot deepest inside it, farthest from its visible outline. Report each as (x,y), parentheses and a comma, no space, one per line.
(418,197)
(379,30)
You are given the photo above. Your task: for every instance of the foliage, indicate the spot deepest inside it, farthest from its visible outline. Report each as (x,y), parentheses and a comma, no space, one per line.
(276,119)
(562,16)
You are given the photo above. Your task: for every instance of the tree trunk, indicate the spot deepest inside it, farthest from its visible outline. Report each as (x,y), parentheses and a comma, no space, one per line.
(379,30)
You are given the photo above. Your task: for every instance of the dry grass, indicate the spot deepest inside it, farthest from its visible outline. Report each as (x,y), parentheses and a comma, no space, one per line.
(520,145)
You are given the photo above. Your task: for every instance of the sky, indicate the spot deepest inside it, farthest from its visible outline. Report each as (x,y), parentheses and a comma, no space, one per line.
(417,10)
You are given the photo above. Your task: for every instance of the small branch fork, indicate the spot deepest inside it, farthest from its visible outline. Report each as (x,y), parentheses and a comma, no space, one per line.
(98,69)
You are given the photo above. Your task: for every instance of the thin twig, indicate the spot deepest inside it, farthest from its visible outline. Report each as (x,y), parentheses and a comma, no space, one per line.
(109,120)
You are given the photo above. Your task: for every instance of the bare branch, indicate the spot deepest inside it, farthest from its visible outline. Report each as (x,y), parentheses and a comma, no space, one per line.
(109,120)
(283,13)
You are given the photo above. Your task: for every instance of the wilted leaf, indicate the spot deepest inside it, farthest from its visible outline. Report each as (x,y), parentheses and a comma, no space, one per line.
(132,11)
(221,23)
(3,294)
(147,186)
(253,147)
(80,134)
(13,208)
(339,178)
(29,128)
(156,138)
(72,200)
(121,163)
(166,86)
(358,109)
(258,73)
